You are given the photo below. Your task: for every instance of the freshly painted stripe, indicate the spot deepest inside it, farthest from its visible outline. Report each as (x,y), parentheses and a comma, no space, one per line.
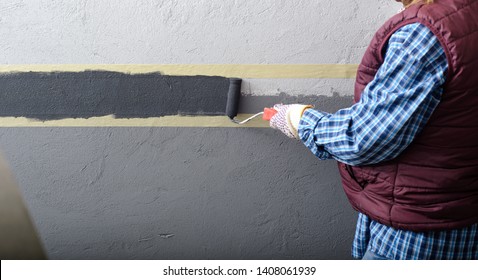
(111,121)
(58,95)
(112,99)
(271,71)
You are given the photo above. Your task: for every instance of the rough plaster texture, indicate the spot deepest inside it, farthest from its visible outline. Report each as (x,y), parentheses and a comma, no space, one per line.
(306,87)
(184,31)
(194,32)
(186,192)
(179,193)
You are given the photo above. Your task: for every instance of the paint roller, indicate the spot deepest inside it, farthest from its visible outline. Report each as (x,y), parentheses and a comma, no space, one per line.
(232,105)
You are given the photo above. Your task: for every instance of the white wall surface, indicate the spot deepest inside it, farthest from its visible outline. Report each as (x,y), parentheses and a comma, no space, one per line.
(188,31)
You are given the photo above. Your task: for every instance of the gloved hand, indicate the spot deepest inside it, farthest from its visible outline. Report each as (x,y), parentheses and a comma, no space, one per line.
(287,118)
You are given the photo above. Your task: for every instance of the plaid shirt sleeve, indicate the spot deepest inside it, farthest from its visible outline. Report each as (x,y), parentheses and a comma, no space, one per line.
(393,108)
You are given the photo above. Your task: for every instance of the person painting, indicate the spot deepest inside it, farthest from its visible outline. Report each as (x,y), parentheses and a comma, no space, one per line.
(407,149)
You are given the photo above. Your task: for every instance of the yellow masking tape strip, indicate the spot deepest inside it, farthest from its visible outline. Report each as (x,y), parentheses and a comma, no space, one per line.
(264,71)
(110,121)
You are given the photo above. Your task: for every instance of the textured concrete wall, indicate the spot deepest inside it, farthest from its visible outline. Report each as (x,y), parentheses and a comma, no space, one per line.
(176,193)
(194,193)
(199,31)
(182,31)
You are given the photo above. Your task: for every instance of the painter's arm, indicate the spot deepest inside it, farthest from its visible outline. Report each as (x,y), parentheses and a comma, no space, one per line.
(393,108)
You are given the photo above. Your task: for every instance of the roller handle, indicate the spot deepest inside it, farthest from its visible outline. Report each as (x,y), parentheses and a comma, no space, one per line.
(268,114)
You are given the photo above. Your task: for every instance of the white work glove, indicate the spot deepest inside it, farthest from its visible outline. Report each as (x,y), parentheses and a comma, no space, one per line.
(287,118)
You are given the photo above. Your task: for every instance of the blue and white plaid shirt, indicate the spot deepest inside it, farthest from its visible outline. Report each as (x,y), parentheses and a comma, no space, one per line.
(393,108)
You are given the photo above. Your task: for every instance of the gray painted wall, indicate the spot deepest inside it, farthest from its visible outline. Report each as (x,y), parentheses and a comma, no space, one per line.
(179,193)
(185,193)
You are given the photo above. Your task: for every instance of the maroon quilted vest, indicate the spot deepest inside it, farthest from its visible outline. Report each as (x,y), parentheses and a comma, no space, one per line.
(433,184)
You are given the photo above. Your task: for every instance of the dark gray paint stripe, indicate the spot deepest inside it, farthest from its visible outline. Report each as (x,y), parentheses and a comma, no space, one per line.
(58,95)
(91,93)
